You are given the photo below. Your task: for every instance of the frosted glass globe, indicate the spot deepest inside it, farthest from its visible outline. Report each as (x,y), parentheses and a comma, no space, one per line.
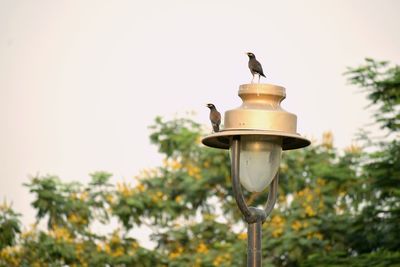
(260,157)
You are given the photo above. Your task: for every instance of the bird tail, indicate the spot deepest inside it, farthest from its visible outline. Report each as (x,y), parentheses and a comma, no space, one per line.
(262,74)
(215,127)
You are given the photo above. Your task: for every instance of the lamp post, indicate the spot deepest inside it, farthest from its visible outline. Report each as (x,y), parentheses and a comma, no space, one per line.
(256,133)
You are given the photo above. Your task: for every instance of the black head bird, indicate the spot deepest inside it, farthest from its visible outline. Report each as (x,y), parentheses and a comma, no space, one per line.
(255,66)
(215,117)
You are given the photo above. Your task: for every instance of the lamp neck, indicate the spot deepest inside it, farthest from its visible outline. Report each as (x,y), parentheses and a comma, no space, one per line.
(265,96)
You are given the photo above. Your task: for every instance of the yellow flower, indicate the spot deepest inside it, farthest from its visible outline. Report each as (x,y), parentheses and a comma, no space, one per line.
(140,187)
(157,197)
(242,236)
(353,149)
(29,233)
(135,245)
(320,181)
(309,235)
(119,251)
(110,198)
(79,248)
(218,260)
(202,248)
(133,248)
(115,239)
(327,140)
(321,205)
(124,189)
(76,219)
(10,256)
(209,216)
(277,223)
(61,233)
(277,220)
(194,171)
(107,248)
(165,162)
(84,196)
(206,164)
(176,253)
(175,165)
(318,236)
(178,199)
(197,262)
(224,258)
(296,225)
(198,140)
(318,191)
(277,232)
(309,211)
(284,167)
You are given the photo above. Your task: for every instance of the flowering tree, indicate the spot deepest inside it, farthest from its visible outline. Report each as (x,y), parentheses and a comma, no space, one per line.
(335,208)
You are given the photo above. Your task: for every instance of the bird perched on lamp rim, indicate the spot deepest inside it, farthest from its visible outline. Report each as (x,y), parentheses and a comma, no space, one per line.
(255,66)
(215,117)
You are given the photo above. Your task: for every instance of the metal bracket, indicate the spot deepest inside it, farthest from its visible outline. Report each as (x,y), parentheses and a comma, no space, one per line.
(251,214)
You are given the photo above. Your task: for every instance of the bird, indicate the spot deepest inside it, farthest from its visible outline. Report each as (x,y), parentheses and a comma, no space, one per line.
(215,117)
(255,66)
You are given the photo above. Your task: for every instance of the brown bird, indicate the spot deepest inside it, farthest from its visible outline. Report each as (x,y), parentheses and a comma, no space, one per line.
(215,117)
(255,66)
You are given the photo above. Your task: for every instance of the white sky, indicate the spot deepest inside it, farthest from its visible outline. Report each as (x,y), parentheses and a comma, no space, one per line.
(80,81)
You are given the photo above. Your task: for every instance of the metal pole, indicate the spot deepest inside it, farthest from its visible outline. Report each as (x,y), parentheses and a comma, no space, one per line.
(254,252)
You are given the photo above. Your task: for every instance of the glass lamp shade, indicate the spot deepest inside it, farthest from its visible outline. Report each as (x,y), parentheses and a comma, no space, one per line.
(260,157)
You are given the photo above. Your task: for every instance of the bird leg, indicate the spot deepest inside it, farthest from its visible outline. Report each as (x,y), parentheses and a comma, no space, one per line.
(252,80)
(259,77)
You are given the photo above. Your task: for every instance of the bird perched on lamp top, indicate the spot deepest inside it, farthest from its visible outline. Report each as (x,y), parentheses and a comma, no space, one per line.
(255,66)
(215,117)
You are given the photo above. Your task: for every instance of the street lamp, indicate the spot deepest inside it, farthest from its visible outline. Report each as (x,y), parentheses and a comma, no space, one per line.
(256,133)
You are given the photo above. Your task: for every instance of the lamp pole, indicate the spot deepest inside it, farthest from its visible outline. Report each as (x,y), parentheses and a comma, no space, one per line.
(256,129)
(255,217)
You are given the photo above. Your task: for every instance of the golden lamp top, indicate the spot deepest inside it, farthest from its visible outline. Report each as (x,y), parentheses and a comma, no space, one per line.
(259,114)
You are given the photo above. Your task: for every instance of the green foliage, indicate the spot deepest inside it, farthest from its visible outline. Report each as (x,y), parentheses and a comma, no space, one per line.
(335,208)
(9,226)
(376,259)
(382,83)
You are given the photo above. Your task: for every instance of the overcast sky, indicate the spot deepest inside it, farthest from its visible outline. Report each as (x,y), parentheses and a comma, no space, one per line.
(81,81)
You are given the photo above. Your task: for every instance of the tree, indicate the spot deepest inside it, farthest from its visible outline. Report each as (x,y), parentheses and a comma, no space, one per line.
(374,224)
(335,208)
(382,83)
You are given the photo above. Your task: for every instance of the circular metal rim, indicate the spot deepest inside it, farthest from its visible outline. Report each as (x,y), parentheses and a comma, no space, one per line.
(223,138)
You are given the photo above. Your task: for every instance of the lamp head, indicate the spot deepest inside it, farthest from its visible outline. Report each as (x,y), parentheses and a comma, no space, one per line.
(265,129)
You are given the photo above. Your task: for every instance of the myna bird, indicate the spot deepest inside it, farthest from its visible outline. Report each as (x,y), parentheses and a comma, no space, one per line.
(255,66)
(215,117)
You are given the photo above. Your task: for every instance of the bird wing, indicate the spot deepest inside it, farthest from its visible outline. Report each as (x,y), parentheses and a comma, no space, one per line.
(259,69)
(215,117)
(255,67)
